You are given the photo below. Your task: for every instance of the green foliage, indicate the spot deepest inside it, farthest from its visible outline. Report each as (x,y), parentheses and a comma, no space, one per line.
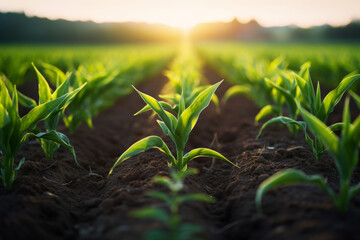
(109,72)
(311,100)
(178,129)
(105,86)
(249,80)
(344,151)
(16,130)
(185,79)
(175,229)
(330,61)
(188,100)
(46,94)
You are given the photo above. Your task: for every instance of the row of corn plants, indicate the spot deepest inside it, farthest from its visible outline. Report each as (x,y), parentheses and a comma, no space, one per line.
(293,101)
(330,61)
(72,97)
(15,60)
(16,130)
(314,112)
(108,81)
(178,112)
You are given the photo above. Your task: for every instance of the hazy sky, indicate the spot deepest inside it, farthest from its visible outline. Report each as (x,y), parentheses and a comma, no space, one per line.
(186,13)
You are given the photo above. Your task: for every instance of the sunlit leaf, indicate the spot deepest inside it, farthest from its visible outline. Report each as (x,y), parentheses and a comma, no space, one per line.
(288,177)
(143,145)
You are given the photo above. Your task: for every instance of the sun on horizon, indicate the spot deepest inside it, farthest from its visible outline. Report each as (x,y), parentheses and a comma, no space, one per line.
(186,14)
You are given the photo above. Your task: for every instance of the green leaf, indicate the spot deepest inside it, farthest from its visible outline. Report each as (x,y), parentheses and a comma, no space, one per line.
(165,181)
(336,126)
(49,69)
(20,164)
(56,137)
(44,110)
(290,99)
(185,173)
(196,197)
(157,107)
(320,130)
(26,101)
(13,129)
(143,145)
(304,69)
(165,105)
(289,177)
(355,133)
(181,103)
(152,213)
(216,102)
(63,88)
(189,117)
(161,196)
(317,99)
(333,97)
(236,90)
(346,120)
(306,88)
(286,121)
(44,88)
(164,128)
(291,122)
(4,117)
(23,100)
(265,111)
(204,152)
(5,99)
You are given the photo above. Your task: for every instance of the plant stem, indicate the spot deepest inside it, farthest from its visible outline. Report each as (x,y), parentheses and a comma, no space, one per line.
(318,148)
(7,171)
(179,159)
(174,217)
(343,199)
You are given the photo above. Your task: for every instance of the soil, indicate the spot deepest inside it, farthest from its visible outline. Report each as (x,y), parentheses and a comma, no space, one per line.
(58,200)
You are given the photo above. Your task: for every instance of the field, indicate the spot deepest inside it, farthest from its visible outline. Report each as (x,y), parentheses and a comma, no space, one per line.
(276,156)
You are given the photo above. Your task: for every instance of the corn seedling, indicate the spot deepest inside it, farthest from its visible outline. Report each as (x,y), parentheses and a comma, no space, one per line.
(311,100)
(170,218)
(16,130)
(178,129)
(344,150)
(46,94)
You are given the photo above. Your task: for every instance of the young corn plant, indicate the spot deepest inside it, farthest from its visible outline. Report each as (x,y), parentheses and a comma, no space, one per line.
(344,150)
(311,100)
(16,130)
(175,229)
(178,129)
(63,86)
(46,94)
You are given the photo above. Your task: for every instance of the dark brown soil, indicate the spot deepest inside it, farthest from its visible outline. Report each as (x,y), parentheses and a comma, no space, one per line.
(58,200)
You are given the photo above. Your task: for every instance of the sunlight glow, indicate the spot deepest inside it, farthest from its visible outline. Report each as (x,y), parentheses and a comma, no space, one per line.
(187,13)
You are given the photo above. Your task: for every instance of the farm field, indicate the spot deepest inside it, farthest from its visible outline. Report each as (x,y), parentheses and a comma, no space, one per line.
(252,129)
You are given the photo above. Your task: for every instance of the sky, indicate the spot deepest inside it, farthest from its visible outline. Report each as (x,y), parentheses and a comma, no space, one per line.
(187,13)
